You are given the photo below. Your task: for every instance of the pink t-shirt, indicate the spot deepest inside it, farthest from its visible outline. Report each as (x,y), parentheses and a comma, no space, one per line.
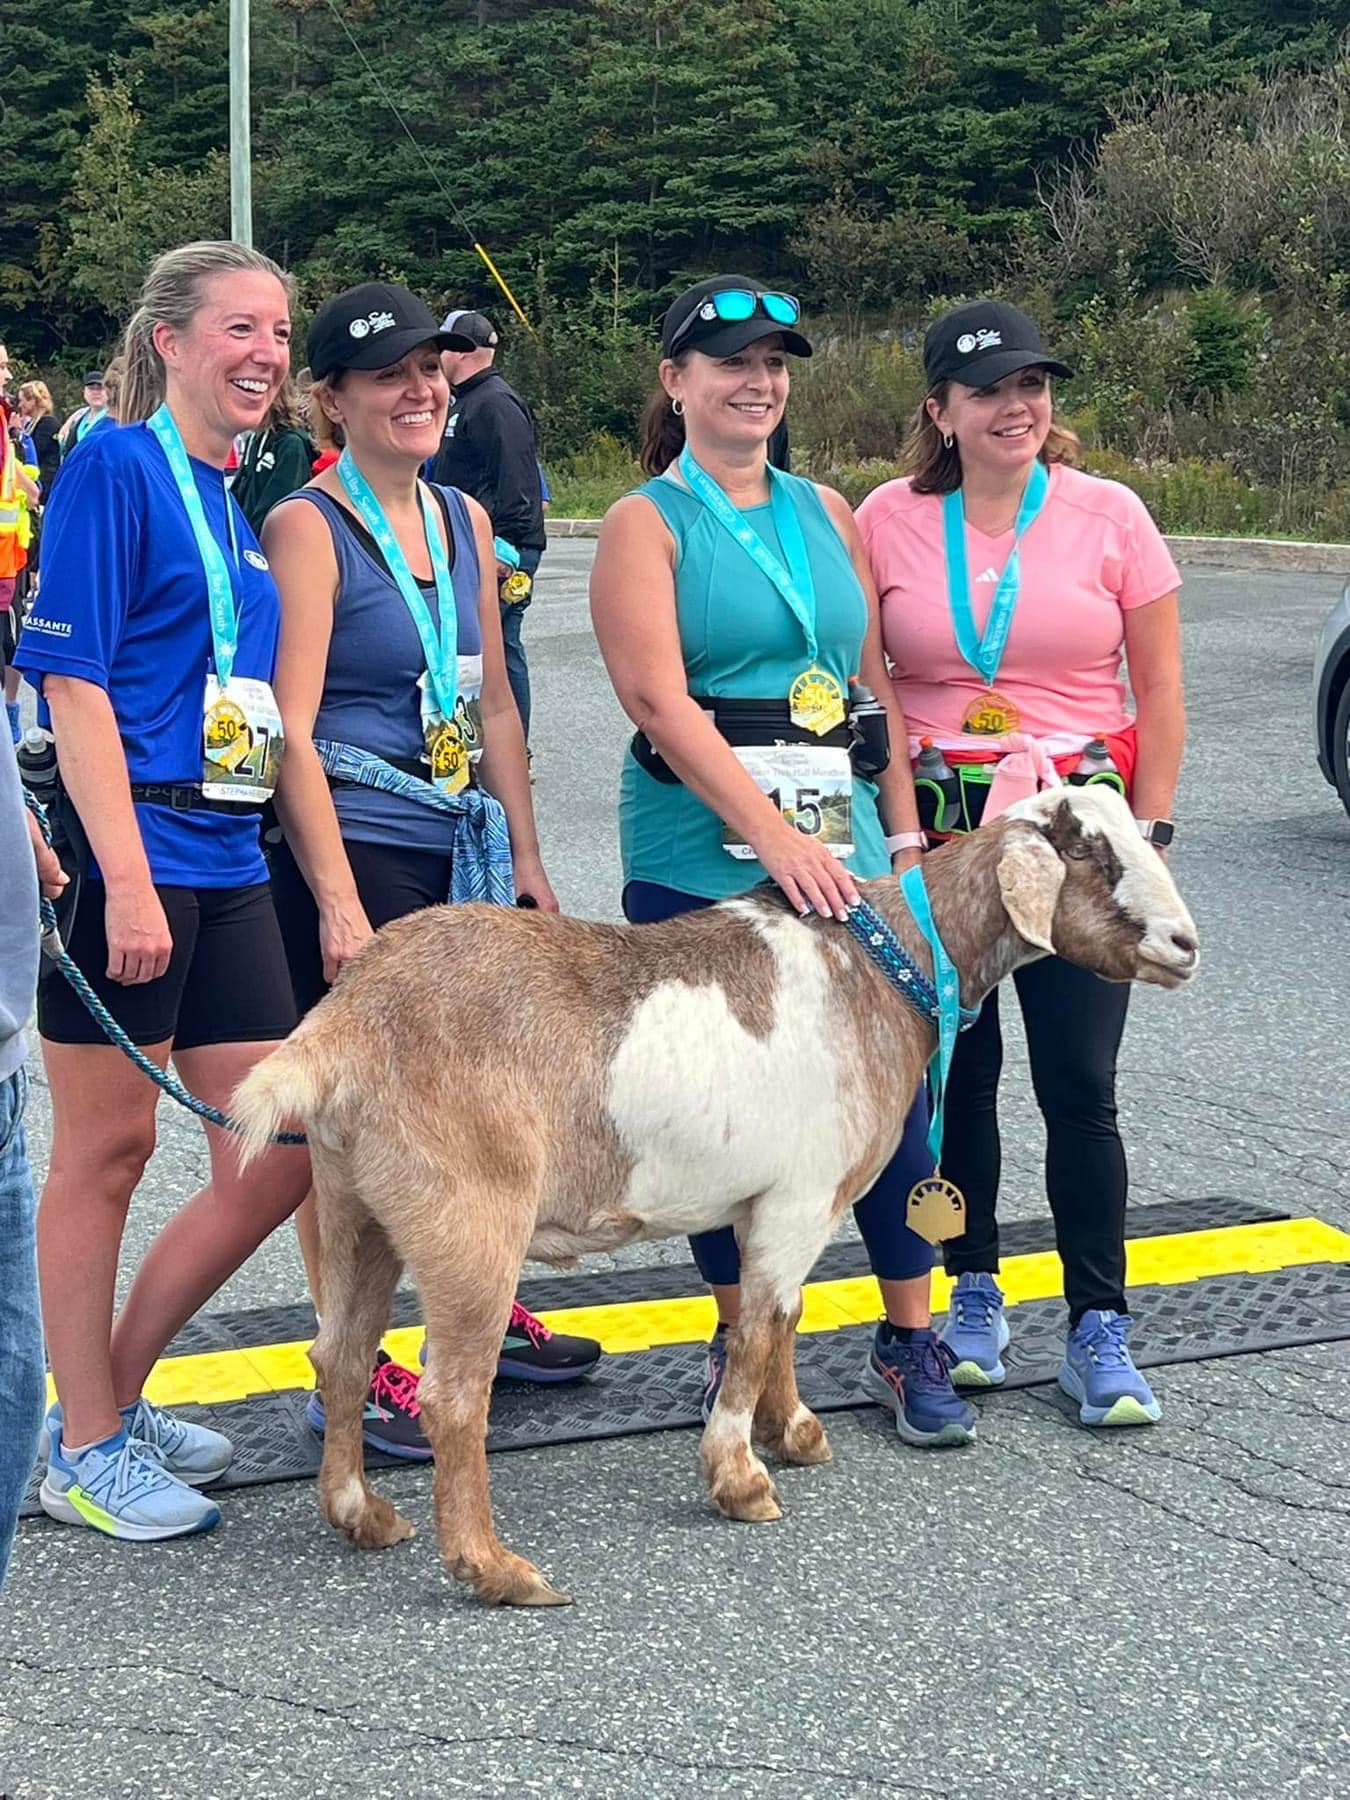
(1092,554)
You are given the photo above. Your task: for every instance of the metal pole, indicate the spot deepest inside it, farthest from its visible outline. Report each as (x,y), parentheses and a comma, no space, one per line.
(241,166)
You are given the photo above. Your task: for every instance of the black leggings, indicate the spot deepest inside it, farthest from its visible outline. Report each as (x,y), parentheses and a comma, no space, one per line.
(1074,1021)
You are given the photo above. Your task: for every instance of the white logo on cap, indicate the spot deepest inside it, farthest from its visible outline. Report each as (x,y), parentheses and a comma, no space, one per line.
(376,321)
(983,339)
(707,310)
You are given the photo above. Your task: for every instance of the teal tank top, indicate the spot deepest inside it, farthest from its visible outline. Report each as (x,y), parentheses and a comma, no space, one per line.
(740,639)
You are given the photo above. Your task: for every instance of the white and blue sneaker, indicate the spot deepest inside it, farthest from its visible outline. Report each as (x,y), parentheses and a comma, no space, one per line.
(1099,1373)
(192,1453)
(976,1331)
(121,1487)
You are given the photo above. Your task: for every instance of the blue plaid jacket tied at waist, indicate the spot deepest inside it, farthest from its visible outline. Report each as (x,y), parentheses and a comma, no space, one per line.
(480,866)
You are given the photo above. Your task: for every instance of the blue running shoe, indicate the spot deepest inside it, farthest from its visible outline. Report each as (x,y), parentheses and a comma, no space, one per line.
(1099,1373)
(717,1368)
(914,1378)
(190,1452)
(122,1489)
(976,1331)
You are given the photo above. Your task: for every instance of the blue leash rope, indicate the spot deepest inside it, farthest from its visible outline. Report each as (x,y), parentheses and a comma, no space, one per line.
(870,930)
(55,950)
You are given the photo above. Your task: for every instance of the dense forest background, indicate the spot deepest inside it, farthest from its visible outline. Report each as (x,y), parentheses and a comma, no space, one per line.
(1167,185)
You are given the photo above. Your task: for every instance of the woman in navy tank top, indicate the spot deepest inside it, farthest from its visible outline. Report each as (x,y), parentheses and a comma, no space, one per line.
(391,650)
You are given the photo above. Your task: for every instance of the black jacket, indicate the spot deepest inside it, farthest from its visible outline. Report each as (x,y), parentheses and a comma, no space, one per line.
(489,452)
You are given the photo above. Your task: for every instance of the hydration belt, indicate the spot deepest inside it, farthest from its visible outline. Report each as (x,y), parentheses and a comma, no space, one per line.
(184,796)
(746,722)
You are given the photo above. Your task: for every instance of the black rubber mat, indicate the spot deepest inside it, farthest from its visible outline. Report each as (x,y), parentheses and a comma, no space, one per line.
(660,1389)
(619,1287)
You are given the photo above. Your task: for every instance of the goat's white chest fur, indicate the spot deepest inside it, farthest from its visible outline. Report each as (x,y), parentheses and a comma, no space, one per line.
(713,1115)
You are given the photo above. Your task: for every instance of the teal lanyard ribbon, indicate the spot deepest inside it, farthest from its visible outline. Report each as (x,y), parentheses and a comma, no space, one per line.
(947,984)
(984,654)
(220,596)
(794,581)
(441,651)
(88,420)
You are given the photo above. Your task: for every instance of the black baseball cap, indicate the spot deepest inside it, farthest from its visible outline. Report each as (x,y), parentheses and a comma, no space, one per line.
(371,326)
(476,326)
(978,344)
(95,379)
(691,321)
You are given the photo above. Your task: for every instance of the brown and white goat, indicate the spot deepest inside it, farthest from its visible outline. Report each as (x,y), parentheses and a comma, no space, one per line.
(483,1084)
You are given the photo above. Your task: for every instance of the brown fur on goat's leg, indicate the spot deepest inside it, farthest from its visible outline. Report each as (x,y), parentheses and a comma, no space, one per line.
(359,1270)
(466,1289)
(782,1425)
(759,1387)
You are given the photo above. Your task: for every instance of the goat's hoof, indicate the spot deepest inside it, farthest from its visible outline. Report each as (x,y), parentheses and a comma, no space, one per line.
(804,1442)
(379,1527)
(514,1582)
(753,1501)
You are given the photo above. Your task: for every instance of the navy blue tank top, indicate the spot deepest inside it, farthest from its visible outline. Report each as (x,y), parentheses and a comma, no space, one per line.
(370,692)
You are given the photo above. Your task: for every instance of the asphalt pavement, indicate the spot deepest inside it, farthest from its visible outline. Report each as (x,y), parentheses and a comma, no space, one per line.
(1049,1615)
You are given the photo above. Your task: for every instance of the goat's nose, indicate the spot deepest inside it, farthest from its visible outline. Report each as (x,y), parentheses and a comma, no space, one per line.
(1186,944)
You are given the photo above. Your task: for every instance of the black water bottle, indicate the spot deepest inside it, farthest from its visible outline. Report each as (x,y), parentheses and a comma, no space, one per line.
(36,757)
(870,745)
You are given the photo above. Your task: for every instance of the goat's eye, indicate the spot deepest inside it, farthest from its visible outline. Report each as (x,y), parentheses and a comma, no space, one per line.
(1079,852)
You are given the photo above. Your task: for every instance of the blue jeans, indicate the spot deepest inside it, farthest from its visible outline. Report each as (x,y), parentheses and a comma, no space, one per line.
(22,1369)
(895,1252)
(513,617)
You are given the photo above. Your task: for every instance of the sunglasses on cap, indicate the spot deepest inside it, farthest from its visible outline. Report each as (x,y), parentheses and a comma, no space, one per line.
(732,306)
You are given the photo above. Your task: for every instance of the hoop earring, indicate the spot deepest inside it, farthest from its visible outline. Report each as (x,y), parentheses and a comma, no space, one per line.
(947,440)
(677,407)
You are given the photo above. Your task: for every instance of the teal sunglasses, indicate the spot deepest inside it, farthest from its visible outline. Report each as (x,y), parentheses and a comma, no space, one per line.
(734,305)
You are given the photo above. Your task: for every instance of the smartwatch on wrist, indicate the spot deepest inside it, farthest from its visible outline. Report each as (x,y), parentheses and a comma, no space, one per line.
(905,840)
(1158,832)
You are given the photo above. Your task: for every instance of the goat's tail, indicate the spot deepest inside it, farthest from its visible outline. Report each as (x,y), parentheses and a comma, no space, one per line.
(298,1081)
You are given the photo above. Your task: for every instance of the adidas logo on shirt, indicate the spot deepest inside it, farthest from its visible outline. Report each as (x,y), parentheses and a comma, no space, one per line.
(990,574)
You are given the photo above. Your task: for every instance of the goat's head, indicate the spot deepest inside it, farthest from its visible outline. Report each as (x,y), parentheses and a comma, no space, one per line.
(1078,880)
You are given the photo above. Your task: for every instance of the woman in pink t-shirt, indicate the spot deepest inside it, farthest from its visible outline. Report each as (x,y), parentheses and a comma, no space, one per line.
(1012,586)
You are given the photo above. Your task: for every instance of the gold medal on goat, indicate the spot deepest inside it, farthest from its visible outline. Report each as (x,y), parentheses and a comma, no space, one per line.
(936,1209)
(991,715)
(816,701)
(448,755)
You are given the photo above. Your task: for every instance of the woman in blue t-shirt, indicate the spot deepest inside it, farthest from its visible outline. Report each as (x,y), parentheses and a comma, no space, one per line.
(392,684)
(153,644)
(734,606)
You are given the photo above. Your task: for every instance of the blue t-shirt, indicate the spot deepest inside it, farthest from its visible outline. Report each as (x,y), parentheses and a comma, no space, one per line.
(123,605)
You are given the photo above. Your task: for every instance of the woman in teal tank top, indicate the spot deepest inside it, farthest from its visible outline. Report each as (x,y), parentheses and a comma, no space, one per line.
(734,606)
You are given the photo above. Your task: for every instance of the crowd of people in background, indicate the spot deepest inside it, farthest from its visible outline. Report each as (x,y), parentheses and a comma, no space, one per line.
(274,631)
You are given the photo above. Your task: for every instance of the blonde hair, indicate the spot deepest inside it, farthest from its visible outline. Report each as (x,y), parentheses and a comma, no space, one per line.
(171,295)
(934,467)
(326,433)
(114,379)
(39,391)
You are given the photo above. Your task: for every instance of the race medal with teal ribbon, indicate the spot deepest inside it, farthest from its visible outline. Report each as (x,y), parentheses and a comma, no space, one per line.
(936,1207)
(242,736)
(991,714)
(815,698)
(444,748)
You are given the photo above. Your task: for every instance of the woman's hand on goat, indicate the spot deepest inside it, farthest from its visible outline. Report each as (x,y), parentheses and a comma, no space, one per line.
(812,879)
(343,929)
(533,884)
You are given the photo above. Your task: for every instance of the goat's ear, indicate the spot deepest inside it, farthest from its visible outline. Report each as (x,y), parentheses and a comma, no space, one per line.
(1030,875)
